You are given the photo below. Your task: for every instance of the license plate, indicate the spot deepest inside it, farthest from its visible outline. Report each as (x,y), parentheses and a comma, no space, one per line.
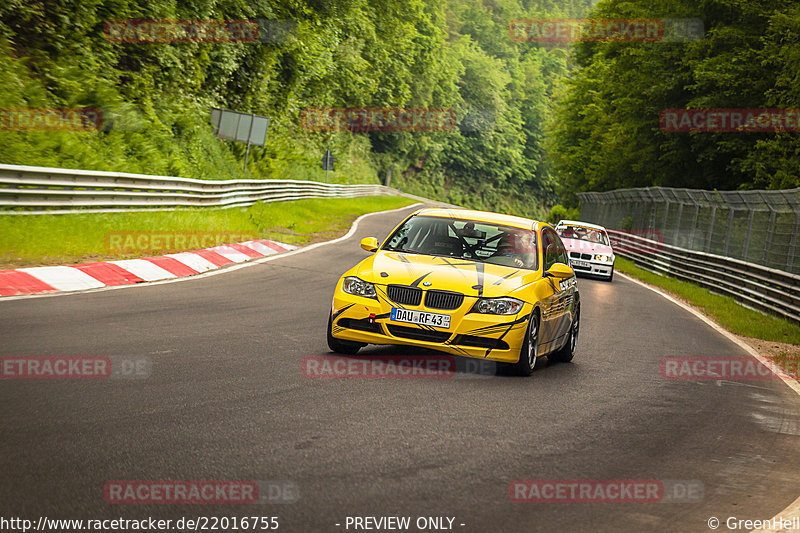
(580,263)
(420,317)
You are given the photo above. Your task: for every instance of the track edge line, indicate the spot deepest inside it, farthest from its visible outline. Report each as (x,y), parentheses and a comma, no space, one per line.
(793,509)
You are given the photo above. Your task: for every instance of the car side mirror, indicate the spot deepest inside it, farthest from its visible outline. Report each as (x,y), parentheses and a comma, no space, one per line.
(370,244)
(560,271)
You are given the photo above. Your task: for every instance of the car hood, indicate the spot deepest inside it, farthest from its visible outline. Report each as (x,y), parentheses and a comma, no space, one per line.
(577,245)
(472,278)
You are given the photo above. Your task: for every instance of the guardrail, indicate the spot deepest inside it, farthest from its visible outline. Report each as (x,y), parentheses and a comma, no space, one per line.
(28,190)
(763,288)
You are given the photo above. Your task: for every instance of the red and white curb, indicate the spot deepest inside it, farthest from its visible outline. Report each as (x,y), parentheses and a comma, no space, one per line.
(48,279)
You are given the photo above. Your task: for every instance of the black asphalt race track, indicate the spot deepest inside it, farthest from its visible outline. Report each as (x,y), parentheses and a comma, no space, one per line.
(226,400)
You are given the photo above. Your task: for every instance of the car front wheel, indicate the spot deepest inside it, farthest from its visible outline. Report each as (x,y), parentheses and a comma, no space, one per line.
(530,348)
(340,346)
(567,352)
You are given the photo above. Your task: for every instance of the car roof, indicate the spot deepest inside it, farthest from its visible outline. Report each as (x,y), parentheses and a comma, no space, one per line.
(579,223)
(479,216)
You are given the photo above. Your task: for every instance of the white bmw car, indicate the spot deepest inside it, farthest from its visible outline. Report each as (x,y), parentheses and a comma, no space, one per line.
(588,247)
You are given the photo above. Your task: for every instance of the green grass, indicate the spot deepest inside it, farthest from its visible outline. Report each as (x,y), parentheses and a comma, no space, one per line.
(30,240)
(723,309)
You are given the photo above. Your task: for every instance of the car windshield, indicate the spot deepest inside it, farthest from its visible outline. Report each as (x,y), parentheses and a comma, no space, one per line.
(583,234)
(466,239)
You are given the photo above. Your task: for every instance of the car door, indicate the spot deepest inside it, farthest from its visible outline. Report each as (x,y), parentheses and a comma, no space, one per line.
(550,315)
(566,294)
(559,315)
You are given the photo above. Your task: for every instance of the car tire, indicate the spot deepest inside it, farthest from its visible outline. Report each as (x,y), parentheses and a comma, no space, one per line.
(529,352)
(567,352)
(340,346)
(610,276)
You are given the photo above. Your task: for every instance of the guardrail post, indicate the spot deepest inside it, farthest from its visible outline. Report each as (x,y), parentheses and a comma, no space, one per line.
(770,233)
(626,206)
(592,208)
(747,235)
(694,224)
(793,244)
(710,233)
(678,225)
(728,232)
(605,213)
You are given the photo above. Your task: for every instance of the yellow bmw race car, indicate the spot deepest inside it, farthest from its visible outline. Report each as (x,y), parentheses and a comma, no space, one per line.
(468,283)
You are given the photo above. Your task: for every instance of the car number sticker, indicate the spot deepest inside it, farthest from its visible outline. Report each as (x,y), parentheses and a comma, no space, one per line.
(567,283)
(580,263)
(420,317)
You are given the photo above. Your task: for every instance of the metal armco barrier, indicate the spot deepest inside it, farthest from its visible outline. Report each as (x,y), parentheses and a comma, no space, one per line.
(40,190)
(767,289)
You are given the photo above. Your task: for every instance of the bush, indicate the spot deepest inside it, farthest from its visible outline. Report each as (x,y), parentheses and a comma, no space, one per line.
(559,212)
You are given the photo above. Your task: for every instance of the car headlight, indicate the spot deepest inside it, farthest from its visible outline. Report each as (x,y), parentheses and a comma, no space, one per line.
(497,306)
(604,258)
(358,287)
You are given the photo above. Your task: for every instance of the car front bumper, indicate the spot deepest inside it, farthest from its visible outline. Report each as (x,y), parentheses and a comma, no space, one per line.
(482,336)
(592,267)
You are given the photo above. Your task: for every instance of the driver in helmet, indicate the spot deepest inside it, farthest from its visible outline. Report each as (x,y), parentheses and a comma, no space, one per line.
(519,246)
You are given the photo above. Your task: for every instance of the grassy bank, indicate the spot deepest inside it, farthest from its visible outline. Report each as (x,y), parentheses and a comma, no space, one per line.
(78,238)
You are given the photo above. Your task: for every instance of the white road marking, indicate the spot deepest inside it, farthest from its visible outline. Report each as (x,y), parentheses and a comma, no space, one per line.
(143,269)
(193,261)
(63,278)
(230,253)
(260,247)
(793,510)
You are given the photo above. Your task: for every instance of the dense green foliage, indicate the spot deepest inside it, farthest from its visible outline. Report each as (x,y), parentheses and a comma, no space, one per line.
(155,98)
(606,131)
(514,150)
